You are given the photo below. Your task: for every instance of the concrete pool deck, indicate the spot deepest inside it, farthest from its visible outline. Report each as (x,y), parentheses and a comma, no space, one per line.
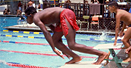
(33,27)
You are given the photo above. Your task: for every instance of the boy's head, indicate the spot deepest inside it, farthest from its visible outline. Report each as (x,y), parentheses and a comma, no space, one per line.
(29,12)
(112,6)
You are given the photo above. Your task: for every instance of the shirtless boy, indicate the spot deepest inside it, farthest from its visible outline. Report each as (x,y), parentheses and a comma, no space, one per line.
(122,15)
(62,22)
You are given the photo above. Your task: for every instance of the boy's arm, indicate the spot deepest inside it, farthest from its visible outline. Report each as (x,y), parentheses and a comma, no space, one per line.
(48,37)
(117,27)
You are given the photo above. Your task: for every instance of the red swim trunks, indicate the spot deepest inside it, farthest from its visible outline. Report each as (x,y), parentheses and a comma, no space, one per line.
(68,15)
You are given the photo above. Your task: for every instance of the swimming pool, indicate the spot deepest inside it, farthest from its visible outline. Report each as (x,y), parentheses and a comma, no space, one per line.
(22,48)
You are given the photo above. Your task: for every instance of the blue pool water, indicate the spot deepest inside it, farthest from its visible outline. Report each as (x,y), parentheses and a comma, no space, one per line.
(39,60)
(7,21)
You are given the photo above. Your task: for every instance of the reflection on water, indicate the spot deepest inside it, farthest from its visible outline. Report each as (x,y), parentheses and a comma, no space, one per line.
(4,20)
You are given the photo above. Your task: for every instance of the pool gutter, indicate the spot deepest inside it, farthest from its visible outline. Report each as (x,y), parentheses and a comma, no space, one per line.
(33,27)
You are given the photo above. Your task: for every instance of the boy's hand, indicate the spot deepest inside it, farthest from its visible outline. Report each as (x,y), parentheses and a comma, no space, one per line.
(115,42)
(127,50)
(58,53)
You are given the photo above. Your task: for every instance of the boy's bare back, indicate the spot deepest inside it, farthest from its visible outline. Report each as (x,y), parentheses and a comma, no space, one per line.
(49,15)
(124,16)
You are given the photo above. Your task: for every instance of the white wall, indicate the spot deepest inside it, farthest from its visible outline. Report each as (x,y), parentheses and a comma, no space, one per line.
(72,1)
(76,1)
(79,1)
(3,7)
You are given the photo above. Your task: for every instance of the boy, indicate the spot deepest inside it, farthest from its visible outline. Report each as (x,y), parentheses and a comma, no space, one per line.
(62,22)
(122,15)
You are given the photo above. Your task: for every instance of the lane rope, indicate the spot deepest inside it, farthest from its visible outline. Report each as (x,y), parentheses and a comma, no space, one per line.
(38,43)
(23,42)
(24,32)
(32,37)
(14,64)
(23,65)
(41,53)
(29,32)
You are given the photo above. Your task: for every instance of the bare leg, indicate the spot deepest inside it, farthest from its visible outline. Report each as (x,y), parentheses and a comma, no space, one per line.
(126,43)
(58,43)
(82,48)
(107,61)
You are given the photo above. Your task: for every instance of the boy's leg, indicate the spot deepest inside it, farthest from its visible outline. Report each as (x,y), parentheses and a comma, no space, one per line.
(58,43)
(125,41)
(80,47)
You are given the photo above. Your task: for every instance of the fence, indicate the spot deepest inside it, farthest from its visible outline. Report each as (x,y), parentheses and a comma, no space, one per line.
(106,19)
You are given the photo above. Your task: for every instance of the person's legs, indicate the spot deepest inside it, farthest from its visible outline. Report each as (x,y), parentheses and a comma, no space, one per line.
(125,41)
(57,39)
(80,47)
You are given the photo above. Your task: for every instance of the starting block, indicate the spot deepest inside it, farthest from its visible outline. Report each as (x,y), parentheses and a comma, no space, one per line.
(82,64)
(108,46)
(112,52)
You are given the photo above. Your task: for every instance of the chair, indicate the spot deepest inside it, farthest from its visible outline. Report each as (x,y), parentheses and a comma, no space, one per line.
(95,21)
(79,22)
(86,20)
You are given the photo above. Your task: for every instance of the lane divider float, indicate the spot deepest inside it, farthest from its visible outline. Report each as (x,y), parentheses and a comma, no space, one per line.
(38,43)
(41,53)
(33,37)
(14,64)
(24,32)
(29,32)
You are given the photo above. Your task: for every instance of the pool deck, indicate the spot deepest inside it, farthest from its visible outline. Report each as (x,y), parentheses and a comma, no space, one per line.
(33,27)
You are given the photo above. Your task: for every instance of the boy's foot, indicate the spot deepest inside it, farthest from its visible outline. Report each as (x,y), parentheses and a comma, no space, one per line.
(101,58)
(74,60)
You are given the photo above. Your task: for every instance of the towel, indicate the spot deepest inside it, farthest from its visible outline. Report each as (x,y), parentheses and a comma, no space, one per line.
(94,8)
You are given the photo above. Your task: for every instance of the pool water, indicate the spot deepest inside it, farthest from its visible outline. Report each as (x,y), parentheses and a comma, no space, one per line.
(7,21)
(35,54)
